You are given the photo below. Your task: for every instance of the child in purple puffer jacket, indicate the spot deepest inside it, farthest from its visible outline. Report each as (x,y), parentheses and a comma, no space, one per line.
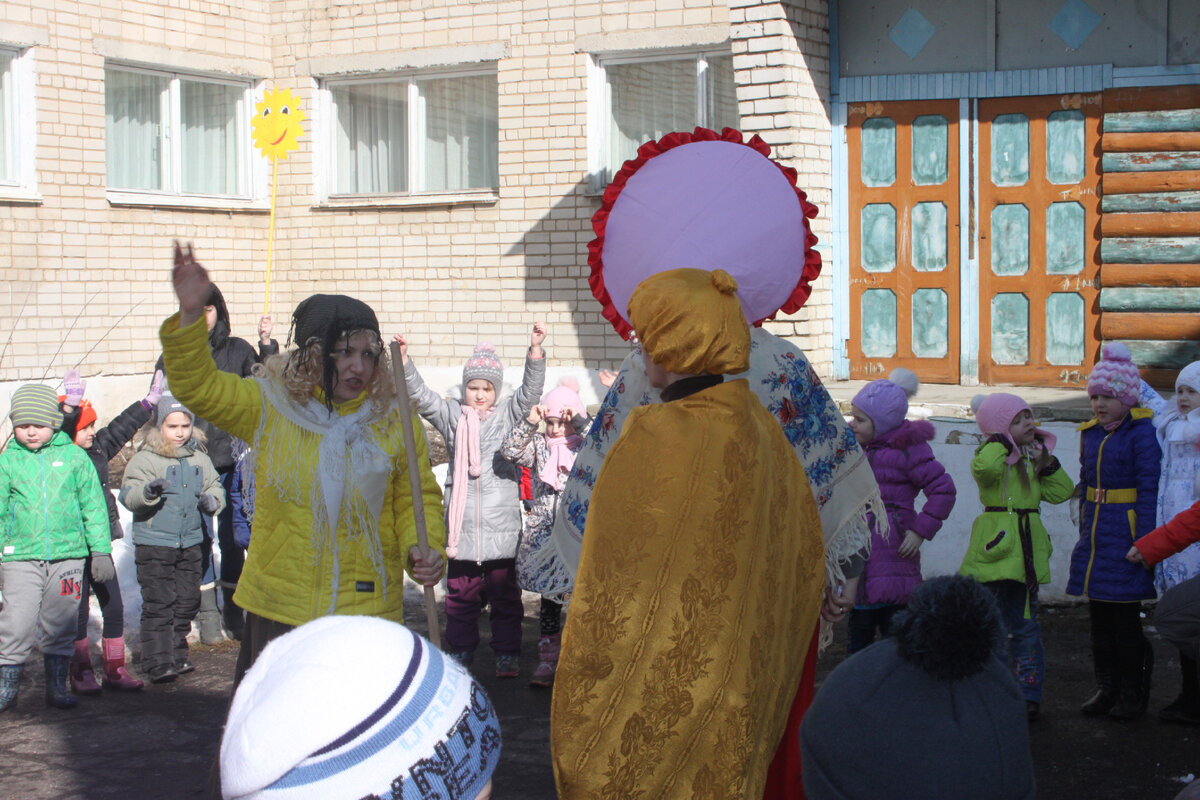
(904,466)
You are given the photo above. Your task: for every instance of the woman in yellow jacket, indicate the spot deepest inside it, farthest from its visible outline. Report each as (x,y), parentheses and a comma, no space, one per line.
(333,519)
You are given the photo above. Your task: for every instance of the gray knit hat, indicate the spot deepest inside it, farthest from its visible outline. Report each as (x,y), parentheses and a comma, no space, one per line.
(484,364)
(931,711)
(167,405)
(35,404)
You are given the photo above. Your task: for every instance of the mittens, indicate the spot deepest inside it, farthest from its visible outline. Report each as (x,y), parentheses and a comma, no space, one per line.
(155,488)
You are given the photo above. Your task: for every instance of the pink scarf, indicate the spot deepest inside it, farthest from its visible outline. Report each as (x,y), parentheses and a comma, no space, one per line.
(466,464)
(561,458)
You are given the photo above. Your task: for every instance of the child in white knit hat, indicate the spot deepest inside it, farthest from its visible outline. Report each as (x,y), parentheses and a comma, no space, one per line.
(425,729)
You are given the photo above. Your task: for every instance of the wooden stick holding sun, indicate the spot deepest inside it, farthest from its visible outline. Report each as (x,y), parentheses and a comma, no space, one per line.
(275,130)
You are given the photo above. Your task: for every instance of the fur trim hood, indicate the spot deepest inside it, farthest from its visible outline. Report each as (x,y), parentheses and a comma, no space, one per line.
(156,443)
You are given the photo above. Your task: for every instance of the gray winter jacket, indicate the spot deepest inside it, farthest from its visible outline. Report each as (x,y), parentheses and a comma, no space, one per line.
(492,519)
(172,520)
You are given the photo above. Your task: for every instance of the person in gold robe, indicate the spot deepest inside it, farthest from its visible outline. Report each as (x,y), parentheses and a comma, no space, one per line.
(701,575)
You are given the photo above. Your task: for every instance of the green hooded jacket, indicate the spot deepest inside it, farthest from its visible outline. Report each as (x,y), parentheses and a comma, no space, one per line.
(51,503)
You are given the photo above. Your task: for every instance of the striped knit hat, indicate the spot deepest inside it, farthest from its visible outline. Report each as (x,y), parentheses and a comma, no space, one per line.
(347,707)
(35,404)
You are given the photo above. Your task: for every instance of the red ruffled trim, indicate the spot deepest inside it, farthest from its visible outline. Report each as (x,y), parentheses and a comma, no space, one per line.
(812,259)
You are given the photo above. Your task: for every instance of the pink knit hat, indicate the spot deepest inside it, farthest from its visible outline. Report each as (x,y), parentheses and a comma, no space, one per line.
(1116,375)
(484,364)
(565,395)
(996,412)
(885,401)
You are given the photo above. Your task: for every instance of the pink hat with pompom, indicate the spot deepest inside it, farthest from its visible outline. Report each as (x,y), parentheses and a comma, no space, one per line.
(885,401)
(1116,375)
(564,396)
(994,413)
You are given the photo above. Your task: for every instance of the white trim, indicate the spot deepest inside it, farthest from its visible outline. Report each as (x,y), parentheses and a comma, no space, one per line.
(173,59)
(23,187)
(968,267)
(171,120)
(324,141)
(598,100)
(841,244)
(399,61)
(713,37)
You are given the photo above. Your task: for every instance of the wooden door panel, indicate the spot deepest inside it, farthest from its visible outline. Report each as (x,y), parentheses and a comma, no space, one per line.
(904,255)
(1038,239)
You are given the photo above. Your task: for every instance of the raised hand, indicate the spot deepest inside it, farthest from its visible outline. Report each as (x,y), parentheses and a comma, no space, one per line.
(536,338)
(192,285)
(607,377)
(265,327)
(73,387)
(400,340)
(536,414)
(157,387)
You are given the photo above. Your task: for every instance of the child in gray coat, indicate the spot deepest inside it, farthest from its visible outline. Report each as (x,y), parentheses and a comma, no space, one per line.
(169,483)
(483,510)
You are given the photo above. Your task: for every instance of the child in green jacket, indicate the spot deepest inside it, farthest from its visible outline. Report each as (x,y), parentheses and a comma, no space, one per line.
(52,516)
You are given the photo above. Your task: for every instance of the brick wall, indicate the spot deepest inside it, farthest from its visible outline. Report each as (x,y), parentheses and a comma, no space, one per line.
(448,275)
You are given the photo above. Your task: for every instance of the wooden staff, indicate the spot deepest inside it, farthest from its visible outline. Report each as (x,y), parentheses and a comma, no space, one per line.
(414,483)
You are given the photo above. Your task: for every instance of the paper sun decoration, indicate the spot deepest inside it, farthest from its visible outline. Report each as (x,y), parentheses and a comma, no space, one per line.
(275,127)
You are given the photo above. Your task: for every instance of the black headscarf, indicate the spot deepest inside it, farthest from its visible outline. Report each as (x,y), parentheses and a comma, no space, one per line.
(324,319)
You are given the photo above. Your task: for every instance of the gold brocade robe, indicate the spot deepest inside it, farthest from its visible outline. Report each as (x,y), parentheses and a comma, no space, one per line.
(697,596)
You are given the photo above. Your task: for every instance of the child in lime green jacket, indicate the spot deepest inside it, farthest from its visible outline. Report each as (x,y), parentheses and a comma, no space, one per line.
(52,516)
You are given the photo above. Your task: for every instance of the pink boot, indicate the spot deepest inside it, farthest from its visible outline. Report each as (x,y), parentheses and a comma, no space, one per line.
(548,660)
(83,678)
(115,674)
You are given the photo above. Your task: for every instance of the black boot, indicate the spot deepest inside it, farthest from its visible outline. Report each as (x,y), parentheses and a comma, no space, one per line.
(10,681)
(1104,661)
(234,617)
(57,693)
(1185,709)
(1135,665)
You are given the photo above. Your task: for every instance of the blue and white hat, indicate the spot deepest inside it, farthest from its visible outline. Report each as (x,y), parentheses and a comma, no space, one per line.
(351,707)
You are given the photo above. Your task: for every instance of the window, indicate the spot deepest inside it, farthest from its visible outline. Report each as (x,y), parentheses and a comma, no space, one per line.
(18,128)
(413,134)
(8,120)
(176,134)
(643,99)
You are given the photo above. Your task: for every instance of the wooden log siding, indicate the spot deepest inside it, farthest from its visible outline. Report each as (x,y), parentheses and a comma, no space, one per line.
(1150,233)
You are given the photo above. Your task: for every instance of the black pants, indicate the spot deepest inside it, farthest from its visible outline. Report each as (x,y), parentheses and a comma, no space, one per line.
(170,581)
(1119,648)
(112,607)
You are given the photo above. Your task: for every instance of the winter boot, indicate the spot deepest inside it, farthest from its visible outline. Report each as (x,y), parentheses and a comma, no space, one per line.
(235,618)
(10,679)
(1185,709)
(1135,663)
(83,678)
(1104,660)
(548,647)
(115,674)
(57,693)
(209,617)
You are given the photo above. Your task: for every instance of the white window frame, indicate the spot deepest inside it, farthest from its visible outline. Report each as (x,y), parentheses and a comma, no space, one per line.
(255,174)
(21,186)
(325,142)
(599,100)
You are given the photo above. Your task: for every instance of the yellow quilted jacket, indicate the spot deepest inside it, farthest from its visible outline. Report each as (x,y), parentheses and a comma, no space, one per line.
(288,577)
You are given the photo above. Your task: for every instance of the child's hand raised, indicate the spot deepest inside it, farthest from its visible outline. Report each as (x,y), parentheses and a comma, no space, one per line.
(192,285)
(536,338)
(537,414)
(400,340)
(266,326)
(607,377)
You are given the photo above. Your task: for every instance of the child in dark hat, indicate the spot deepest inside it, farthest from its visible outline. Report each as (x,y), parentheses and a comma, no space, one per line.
(939,684)
(42,554)
(333,519)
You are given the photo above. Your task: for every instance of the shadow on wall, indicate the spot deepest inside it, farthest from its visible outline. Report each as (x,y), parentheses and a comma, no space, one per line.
(555,252)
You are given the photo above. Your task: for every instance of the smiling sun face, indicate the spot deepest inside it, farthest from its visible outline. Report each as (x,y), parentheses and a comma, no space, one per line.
(275,127)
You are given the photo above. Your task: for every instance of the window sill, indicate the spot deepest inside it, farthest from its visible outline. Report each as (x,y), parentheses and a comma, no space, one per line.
(16,196)
(194,202)
(364,201)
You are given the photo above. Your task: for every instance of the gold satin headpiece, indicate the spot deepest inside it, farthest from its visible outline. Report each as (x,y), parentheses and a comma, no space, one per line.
(690,321)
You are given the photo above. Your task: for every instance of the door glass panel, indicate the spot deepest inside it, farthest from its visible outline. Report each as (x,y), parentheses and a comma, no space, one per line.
(1010,150)
(929,239)
(1010,239)
(1064,147)
(1064,328)
(879,323)
(1064,238)
(879,237)
(929,150)
(1010,328)
(878,152)
(930,323)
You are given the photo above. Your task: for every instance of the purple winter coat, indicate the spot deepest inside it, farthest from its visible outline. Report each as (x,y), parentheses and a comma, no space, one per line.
(904,466)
